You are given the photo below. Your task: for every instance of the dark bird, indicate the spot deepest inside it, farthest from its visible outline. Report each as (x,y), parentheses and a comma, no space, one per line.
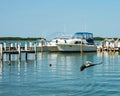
(88,64)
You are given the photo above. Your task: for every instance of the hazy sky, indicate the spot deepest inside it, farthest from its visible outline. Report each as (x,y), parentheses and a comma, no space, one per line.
(42,18)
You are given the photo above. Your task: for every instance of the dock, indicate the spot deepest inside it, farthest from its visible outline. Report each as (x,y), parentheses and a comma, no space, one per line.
(110,45)
(16,50)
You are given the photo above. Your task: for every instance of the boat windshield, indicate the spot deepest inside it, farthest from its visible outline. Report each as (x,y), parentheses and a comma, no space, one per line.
(83,35)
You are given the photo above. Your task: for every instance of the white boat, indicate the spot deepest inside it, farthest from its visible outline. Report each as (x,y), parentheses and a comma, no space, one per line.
(52,45)
(81,41)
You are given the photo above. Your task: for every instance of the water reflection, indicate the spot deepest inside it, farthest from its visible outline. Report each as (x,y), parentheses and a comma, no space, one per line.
(1,69)
(64,61)
(110,62)
(58,60)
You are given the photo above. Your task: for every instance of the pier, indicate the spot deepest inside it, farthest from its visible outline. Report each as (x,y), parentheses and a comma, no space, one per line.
(17,49)
(109,45)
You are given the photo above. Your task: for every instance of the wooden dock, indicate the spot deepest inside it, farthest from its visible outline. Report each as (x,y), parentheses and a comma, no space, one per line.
(110,49)
(16,50)
(110,45)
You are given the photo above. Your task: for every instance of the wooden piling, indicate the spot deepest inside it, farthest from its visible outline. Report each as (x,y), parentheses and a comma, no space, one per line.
(41,45)
(35,47)
(10,57)
(25,46)
(4,46)
(19,51)
(30,43)
(1,52)
(1,67)
(9,46)
(15,45)
(26,56)
(81,47)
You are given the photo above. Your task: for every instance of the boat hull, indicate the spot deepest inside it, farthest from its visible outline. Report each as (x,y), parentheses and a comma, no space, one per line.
(76,48)
(52,48)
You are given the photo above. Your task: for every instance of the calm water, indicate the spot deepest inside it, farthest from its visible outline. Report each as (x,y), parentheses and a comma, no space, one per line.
(34,77)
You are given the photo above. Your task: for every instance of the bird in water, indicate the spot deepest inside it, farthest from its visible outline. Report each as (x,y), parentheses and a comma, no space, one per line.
(88,64)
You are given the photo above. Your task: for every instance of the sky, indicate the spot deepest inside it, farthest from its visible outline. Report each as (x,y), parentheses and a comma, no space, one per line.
(48,18)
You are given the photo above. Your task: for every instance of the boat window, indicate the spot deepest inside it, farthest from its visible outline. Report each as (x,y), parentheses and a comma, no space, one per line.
(90,39)
(65,41)
(90,36)
(77,36)
(84,36)
(56,41)
(77,42)
(87,36)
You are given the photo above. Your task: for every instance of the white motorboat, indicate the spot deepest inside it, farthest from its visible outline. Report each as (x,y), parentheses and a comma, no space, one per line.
(52,45)
(81,41)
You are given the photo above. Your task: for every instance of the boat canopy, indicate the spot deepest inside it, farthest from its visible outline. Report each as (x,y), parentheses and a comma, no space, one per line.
(84,35)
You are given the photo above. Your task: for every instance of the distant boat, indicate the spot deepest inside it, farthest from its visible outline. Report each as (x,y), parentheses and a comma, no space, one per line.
(81,41)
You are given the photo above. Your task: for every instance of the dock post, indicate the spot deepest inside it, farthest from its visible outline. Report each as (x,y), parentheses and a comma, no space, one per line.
(1,52)
(15,45)
(110,49)
(19,51)
(4,46)
(102,47)
(9,58)
(31,46)
(114,48)
(26,56)
(81,47)
(9,53)
(25,46)
(9,46)
(1,67)
(26,50)
(35,48)
(30,43)
(41,45)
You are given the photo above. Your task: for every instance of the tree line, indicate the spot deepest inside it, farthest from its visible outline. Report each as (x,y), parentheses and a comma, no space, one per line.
(38,38)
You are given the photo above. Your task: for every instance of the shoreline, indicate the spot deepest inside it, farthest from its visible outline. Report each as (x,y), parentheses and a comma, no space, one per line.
(39,38)
(20,38)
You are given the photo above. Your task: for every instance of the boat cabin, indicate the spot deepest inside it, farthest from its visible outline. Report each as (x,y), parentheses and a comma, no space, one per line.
(84,36)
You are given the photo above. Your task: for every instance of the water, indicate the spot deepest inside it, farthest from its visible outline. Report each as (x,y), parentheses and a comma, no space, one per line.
(34,77)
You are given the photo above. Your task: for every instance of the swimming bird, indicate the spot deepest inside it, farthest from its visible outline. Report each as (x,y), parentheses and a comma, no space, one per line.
(88,64)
